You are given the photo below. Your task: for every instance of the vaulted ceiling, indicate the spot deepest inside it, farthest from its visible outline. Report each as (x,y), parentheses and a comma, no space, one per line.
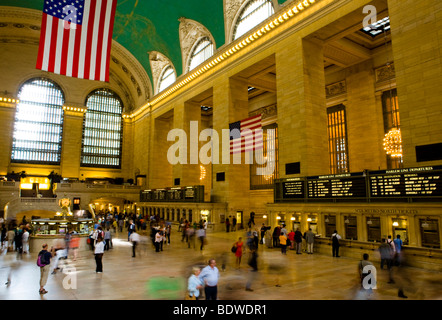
(142,26)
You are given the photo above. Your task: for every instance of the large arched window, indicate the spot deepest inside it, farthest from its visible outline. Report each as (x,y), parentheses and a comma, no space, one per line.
(255,12)
(102,130)
(202,51)
(167,78)
(38,125)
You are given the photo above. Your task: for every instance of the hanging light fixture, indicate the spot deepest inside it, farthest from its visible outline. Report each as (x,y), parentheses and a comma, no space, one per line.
(393,138)
(395,224)
(393,142)
(202,173)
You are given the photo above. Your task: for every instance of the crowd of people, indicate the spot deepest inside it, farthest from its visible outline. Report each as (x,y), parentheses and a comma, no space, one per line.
(15,238)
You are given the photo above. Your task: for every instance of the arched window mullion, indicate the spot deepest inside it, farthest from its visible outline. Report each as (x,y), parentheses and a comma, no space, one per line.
(255,12)
(99,148)
(167,78)
(38,123)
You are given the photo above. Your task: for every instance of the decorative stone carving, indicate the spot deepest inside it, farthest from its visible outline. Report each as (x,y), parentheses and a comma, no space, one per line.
(190,32)
(231,8)
(336,89)
(385,73)
(266,112)
(157,63)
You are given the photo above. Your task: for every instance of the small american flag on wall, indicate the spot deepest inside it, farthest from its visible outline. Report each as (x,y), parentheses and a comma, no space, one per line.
(248,135)
(76,38)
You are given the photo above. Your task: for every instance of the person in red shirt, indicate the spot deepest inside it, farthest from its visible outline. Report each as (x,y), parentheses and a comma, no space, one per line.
(291,237)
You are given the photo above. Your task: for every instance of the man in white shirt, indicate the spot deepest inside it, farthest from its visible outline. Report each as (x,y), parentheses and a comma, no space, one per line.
(335,244)
(210,276)
(135,239)
(25,240)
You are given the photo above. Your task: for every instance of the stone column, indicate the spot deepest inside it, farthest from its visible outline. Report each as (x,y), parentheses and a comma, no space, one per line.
(7,114)
(71,144)
(302,121)
(230,100)
(418,66)
(363,123)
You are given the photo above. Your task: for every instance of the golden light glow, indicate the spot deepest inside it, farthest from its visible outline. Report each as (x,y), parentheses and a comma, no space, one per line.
(395,224)
(74,109)
(278,218)
(202,173)
(26,186)
(393,143)
(9,100)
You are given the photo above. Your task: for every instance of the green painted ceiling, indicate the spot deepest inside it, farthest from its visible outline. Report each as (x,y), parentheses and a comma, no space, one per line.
(152,25)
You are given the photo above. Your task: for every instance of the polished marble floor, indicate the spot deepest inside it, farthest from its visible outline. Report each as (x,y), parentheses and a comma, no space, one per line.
(151,275)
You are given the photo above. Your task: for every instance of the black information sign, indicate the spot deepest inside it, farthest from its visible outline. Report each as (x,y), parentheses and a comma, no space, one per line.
(413,182)
(293,189)
(182,194)
(337,186)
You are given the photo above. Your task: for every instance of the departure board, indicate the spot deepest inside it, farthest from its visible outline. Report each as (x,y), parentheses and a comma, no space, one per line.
(406,183)
(293,188)
(412,183)
(337,186)
(176,194)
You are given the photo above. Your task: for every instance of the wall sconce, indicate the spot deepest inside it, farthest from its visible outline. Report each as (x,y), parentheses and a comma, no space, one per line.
(369,222)
(327,219)
(293,218)
(395,224)
(309,219)
(347,221)
(278,218)
(264,216)
(425,224)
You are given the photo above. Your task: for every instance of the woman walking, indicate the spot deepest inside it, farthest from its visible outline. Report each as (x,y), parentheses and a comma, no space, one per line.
(238,254)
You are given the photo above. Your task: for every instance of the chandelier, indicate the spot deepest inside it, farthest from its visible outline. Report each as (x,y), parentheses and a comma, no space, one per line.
(202,173)
(393,143)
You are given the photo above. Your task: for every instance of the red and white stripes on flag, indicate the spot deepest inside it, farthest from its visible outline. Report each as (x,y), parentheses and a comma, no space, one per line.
(246,135)
(76,38)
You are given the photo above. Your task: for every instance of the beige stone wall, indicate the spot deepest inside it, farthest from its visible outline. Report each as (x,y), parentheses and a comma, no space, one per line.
(416,43)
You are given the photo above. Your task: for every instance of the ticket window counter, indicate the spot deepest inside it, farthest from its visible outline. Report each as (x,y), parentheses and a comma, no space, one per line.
(400,228)
(351,228)
(330,225)
(430,233)
(296,225)
(374,229)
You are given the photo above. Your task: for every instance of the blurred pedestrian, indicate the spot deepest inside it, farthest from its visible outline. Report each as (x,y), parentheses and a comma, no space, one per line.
(158,241)
(398,245)
(168,232)
(253,263)
(239,251)
(135,239)
(387,255)
(25,239)
(291,238)
(298,241)
(310,239)
(107,239)
(283,243)
(201,234)
(75,245)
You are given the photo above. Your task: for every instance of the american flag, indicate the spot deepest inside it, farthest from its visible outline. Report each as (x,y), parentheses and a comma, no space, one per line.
(76,38)
(242,140)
